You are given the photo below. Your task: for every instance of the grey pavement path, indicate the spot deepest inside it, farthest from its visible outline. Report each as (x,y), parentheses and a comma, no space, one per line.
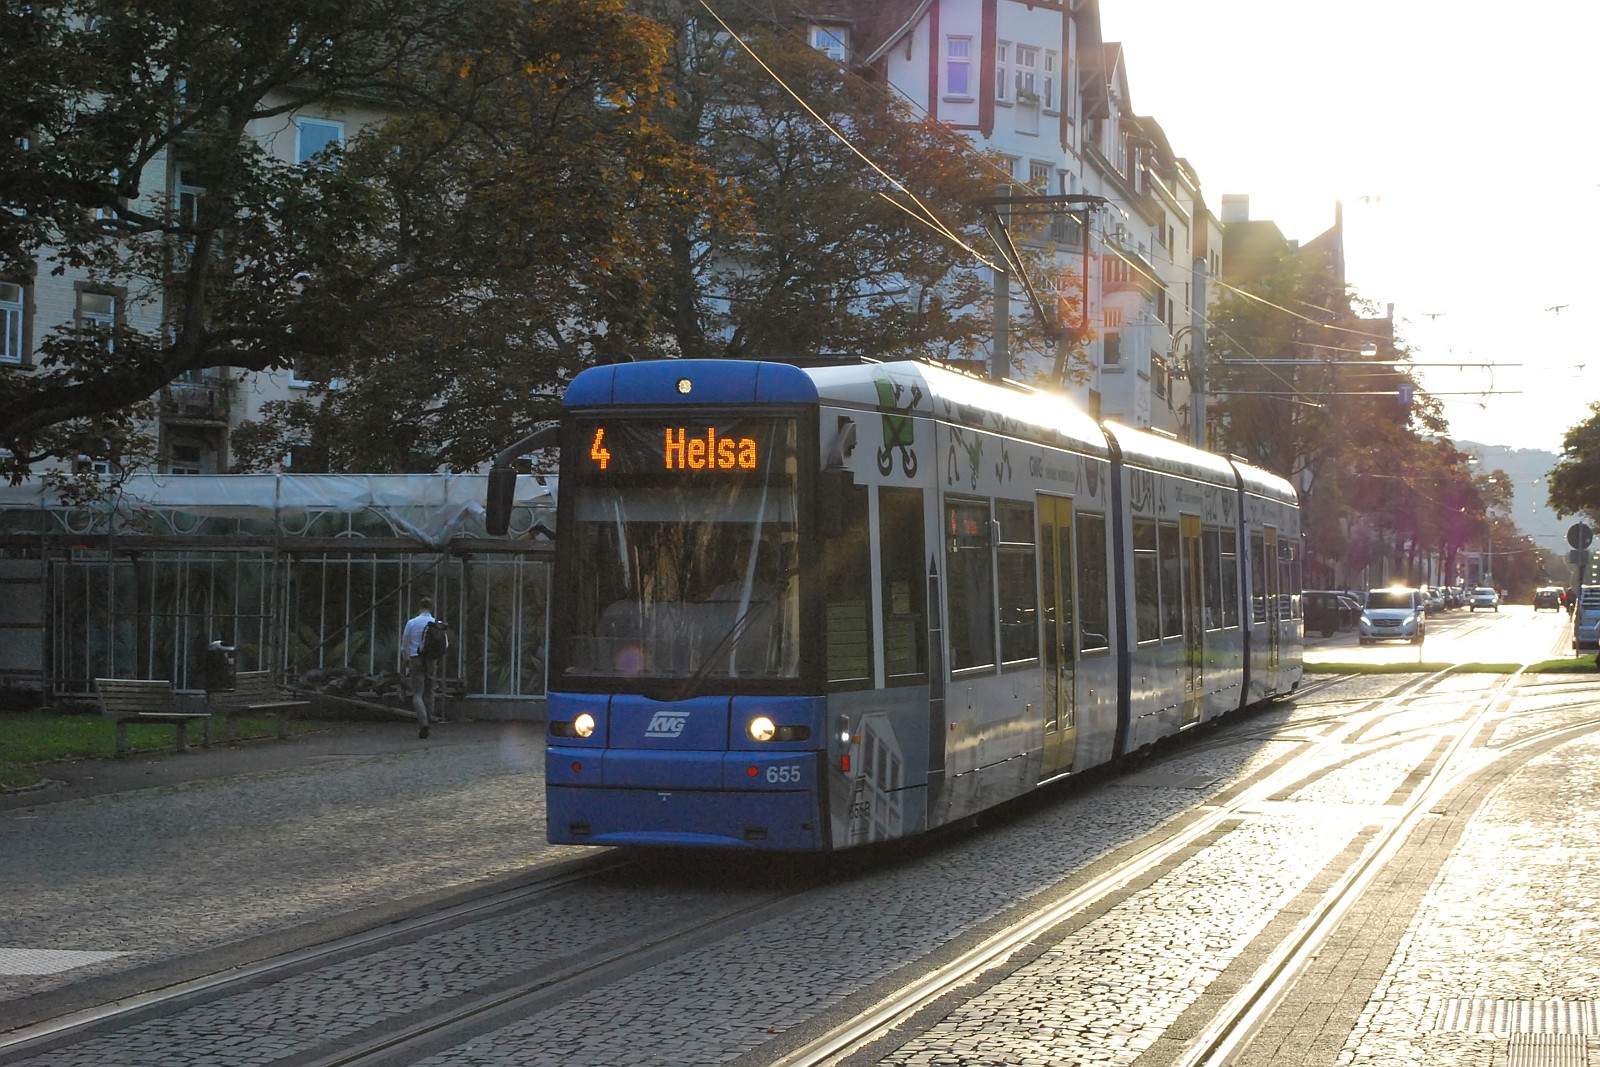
(126,872)
(1485,925)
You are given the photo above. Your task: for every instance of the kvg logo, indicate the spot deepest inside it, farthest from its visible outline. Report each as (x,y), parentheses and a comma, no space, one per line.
(667,724)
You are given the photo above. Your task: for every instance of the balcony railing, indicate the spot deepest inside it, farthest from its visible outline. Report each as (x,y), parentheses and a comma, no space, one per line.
(202,401)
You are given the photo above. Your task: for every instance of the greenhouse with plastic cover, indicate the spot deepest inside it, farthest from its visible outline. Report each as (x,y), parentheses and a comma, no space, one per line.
(311,577)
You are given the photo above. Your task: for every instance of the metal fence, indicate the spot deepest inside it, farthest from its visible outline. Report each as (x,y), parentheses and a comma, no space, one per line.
(139,586)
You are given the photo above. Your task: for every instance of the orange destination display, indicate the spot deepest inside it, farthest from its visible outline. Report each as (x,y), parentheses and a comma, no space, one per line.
(651,448)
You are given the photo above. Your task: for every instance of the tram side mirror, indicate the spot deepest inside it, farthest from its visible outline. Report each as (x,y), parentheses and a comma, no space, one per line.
(832,487)
(497,508)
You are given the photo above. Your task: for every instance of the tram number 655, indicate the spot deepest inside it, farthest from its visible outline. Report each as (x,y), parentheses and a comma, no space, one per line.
(786,775)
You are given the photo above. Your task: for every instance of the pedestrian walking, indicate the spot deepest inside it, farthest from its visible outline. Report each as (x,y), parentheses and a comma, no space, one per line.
(421,670)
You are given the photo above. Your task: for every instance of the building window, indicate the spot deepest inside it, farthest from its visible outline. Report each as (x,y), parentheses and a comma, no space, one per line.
(958,66)
(1027,75)
(831,41)
(186,458)
(316,135)
(1002,71)
(111,215)
(1158,376)
(13,312)
(1039,175)
(1113,349)
(1047,85)
(101,310)
(309,380)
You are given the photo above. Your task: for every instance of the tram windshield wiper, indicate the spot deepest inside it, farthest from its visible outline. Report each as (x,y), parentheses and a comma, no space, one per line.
(754,609)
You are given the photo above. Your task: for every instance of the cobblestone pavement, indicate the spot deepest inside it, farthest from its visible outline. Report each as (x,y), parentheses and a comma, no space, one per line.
(1492,905)
(143,860)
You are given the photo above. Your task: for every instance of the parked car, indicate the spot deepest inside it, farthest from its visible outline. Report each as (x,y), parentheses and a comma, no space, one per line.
(1547,597)
(1327,611)
(1393,614)
(1485,597)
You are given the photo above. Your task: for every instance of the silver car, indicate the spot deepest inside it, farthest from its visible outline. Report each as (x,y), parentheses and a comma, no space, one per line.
(1484,597)
(1393,614)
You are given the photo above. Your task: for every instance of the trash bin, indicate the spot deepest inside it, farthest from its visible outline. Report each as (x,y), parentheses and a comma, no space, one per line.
(220,670)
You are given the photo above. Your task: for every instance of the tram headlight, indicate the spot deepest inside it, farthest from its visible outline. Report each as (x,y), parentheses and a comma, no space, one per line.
(582,725)
(762,728)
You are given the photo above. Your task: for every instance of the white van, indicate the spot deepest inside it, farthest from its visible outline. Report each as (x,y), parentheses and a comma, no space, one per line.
(1397,613)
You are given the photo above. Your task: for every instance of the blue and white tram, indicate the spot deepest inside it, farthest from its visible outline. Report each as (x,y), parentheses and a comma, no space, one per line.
(811,609)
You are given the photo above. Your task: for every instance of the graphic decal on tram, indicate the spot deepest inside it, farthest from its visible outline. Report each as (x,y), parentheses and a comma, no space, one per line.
(773,639)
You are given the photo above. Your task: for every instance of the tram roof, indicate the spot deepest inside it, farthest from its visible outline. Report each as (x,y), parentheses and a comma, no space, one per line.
(927,389)
(1144,449)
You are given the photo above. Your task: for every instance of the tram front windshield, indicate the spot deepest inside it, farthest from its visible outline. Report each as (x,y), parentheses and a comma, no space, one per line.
(682,547)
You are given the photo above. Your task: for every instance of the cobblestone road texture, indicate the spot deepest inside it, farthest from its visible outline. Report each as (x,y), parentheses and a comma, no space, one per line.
(1506,913)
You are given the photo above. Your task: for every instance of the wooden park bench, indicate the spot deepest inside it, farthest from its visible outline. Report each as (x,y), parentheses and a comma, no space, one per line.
(125,700)
(254,693)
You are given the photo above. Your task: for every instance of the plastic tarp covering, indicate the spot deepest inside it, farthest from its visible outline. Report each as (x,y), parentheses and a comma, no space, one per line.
(431,507)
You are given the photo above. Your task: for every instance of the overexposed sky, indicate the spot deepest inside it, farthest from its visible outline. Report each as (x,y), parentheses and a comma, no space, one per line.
(1463,140)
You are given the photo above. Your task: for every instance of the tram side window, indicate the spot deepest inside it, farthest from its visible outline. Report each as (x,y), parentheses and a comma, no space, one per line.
(1288,580)
(847,584)
(1211,552)
(1094,585)
(1019,586)
(1146,581)
(969,570)
(1258,578)
(1228,575)
(1171,580)
(905,585)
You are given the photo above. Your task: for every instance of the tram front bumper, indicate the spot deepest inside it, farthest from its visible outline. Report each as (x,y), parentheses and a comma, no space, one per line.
(686,800)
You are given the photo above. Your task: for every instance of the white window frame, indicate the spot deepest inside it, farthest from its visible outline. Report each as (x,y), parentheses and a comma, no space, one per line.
(1002,71)
(955,59)
(13,312)
(1027,74)
(832,41)
(303,125)
(1047,92)
(97,318)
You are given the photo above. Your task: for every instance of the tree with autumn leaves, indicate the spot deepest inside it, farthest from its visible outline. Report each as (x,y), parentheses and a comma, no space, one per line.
(1379,479)
(541,187)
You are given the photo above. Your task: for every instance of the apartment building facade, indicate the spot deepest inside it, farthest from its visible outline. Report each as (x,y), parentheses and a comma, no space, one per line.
(1036,82)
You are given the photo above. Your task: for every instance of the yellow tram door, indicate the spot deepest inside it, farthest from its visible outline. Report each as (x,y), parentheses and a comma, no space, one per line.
(1058,608)
(1194,654)
(1270,564)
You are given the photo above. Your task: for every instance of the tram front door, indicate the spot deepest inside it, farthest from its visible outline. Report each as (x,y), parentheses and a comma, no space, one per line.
(1059,611)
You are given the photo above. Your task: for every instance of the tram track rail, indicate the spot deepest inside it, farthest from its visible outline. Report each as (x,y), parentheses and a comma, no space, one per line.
(443,1025)
(20,1041)
(1226,1032)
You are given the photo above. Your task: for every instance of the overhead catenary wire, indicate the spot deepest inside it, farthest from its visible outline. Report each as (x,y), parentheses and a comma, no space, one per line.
(924,215)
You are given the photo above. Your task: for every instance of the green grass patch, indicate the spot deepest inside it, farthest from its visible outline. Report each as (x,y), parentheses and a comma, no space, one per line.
(1407,667)
(32,737)
(1586,665)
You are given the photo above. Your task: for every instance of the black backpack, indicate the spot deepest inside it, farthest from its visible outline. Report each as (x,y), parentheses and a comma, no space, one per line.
(435,640)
